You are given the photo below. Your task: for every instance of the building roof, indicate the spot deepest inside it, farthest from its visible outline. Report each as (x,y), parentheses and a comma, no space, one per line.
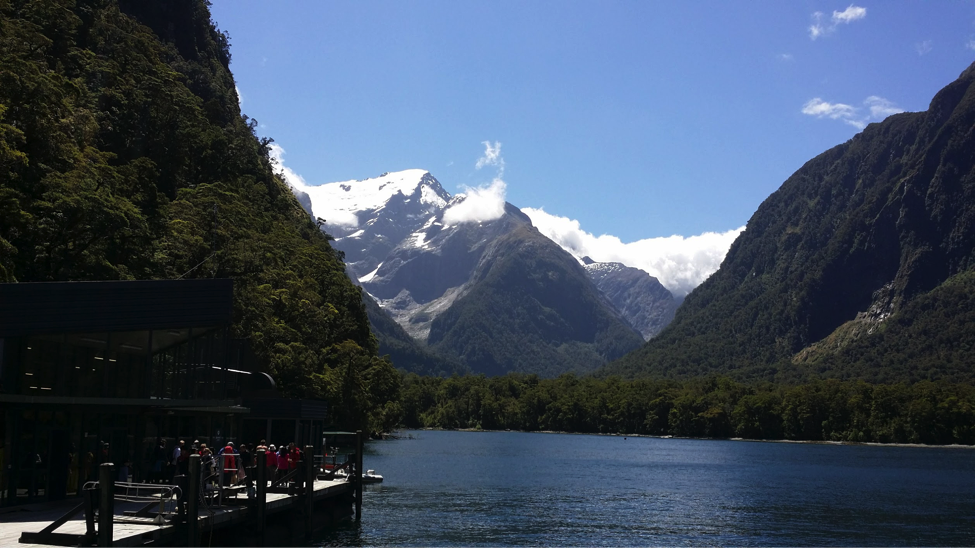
(87,307)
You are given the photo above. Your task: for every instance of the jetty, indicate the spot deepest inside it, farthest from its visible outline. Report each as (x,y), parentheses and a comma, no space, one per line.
(112,513)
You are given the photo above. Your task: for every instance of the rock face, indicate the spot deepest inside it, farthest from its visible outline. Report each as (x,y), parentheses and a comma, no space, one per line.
(370,217)
(639,297)
(492,295)
(530,307)
(842,255)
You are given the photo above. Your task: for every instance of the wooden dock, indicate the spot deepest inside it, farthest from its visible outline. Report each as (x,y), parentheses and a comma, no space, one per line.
(131,531)
(284,506)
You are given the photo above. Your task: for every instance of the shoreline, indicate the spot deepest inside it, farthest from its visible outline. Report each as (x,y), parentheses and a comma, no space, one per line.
(801,442)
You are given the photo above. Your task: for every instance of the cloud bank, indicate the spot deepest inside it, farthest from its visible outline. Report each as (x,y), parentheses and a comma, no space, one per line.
(477,205)
(485,203)
(821,27)
(299,187)
(276,152)
(680,263)
(877,108)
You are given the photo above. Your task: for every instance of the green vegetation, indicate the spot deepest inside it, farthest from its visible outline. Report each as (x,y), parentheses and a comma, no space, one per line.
(713,407)
(868,232)
(124,155)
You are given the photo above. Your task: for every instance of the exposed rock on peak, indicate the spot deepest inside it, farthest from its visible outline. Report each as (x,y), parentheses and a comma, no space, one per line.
(639,297)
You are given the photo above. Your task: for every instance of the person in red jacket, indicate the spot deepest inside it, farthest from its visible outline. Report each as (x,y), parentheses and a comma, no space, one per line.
(283,465)
(294,456)
(229,464)
(272,462)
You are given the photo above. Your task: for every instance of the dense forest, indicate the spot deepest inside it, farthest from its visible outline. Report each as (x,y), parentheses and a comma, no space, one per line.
(711,407)
(124,156)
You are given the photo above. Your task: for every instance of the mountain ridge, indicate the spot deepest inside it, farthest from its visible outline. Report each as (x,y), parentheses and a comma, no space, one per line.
(421,253)
(860,230)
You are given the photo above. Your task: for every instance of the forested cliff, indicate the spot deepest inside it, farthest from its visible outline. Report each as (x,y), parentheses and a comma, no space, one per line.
(124,155)
(859,267)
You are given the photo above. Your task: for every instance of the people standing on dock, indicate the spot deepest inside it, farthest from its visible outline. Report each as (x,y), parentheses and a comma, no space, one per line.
(158,462)
(206,462)
(180,459)
(246,464)
(272,462)
(282,462)
(227,458)
(294,456)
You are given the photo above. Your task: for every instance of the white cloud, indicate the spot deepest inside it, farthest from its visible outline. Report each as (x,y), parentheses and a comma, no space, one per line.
(878,107)
(477,205)
(492,157)
(277,157)
(680,263)
(484,203)
(818,28)
(785,57)
(818,107)
(240,96)
(849,15)
(971,44)
(924,47)
(881,108)
(298,185)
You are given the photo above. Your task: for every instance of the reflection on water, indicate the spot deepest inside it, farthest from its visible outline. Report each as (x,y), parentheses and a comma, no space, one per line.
(509,488)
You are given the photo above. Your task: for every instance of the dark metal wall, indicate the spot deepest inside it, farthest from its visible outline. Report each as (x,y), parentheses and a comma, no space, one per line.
(72,307)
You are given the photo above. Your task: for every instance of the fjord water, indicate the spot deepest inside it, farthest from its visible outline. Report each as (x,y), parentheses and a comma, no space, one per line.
(511,488)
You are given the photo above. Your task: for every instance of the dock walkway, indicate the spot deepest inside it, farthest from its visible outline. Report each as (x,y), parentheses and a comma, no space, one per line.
(131,531)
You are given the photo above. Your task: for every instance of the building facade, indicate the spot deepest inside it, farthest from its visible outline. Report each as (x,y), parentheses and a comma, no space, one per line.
(94,372)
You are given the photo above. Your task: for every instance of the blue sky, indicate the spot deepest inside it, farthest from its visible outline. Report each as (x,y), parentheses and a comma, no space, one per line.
(635,119)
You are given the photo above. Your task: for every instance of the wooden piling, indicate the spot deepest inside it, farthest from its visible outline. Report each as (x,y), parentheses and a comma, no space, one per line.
(106,503)
(310,473)
(358,475)
(261,494)
(193,503)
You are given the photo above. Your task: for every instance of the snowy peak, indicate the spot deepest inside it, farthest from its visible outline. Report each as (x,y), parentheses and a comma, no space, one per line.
(347,205)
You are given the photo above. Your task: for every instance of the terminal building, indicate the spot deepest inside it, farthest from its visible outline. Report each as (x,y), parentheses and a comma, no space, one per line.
(94,372)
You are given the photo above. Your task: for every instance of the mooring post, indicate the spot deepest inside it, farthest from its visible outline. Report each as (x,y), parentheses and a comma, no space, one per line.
(261,493)
(358,474)
(193,503)
(106,503)
(310,473)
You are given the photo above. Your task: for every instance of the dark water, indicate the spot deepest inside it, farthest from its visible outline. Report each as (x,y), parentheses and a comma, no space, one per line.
(508,488)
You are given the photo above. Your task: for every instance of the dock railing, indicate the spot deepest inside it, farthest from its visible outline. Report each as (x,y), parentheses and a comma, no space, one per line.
(98,505)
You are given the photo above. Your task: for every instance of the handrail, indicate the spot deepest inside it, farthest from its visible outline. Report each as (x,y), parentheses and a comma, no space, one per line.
(286,477)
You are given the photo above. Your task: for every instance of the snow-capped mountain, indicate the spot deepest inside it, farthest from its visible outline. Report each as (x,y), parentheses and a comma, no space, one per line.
(369,217)
(474,280)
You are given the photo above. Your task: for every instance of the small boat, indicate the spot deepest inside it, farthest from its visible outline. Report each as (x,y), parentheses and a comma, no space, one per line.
(369,477)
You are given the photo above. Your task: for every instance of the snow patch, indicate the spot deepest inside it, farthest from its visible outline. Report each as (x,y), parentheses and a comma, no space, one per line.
(340,203)
(368,277)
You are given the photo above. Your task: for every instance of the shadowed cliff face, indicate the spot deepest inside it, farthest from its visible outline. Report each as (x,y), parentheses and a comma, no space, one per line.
(497,296)
(864,228)
(531,308)
(639,297)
